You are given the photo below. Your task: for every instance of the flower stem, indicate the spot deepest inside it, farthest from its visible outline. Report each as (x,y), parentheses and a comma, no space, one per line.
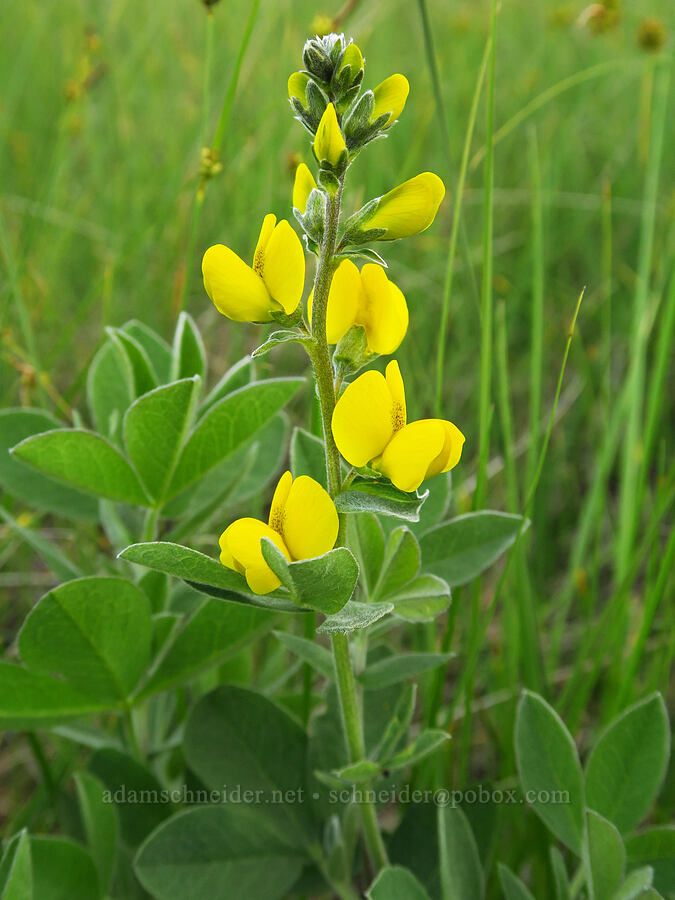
(323,372)
(320,356)
(353,728)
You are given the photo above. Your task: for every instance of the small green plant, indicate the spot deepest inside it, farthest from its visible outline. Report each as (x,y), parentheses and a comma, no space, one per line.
(234,727)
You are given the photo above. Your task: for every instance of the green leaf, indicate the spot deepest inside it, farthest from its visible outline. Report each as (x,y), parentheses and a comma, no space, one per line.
(94,632)
(628,763)
(354,616)
(549,769)
(396,883)
(639,881)
(30,700)
(426,743)
(604,857)
(144,377)
(308,456)
(227,851)
(133,791)
(16,871)
(310,652)
(110,388)
(228,425)
(401,562)
(366,538)
(461,872)
(214,633)
(513,887)
(462,548)
(283,336)
(655,847)
(60,565)
(421,599)
(203,572)
(223,746)
(189,355)
(23,482)
(62,870)
(562,888)
(155,427)
(157,349)
(84,460)
(238,376)
(267,452)
(365,495)
(100,825)
(393,669)
(324,583)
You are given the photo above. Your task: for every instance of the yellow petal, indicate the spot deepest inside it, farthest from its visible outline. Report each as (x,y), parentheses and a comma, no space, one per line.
(266,232)
(329,143)
(343,301)
(411,452)
(284,267)
(397,390)
(241,541)
(409,208)
(279,501)
(363,419)
(383,311)
(297,85)
(352,57)
(302,187)
(237,291)
(451,452)
(390,97)
(310,520)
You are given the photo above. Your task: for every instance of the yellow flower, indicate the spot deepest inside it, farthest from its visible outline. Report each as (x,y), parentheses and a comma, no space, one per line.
(409,208)
(329,143)
(297,87)
(369,426)
(303,186)
(369,299)
(303,523)
(274,282)
(390,97)
(354,58)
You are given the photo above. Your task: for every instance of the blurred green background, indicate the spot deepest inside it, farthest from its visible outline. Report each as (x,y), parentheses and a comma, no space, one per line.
(100,140)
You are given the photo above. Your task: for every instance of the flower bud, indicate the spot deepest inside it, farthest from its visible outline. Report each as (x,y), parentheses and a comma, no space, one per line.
(390,97)
(329,144)
(406,210)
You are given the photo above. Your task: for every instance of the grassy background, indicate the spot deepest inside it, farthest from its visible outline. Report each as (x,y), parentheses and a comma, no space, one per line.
(100,137)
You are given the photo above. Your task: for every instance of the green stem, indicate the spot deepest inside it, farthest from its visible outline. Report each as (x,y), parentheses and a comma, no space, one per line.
(353,728)
(486,287)
(323,372)
(219,133)
(319,353)
(454,232)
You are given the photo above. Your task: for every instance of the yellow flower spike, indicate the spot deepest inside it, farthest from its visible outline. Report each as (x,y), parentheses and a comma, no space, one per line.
(383,311)
(343,301)
(274,282)
(303,523)
(329,142)
(390,97)
(369,426)
(303,186)
(409,208)
(297,87)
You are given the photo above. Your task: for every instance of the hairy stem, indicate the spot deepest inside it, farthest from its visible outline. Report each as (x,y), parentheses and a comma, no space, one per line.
(353,728)
(323,372)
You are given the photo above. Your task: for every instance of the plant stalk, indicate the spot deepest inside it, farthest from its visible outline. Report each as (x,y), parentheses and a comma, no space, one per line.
(323,372)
